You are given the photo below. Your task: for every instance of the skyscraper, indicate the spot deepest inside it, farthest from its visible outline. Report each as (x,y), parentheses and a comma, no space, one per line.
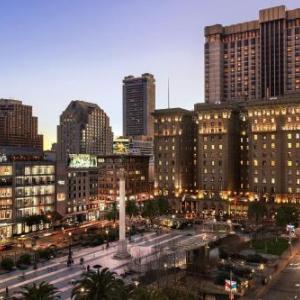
(18,128)
(256,59)
(84,129)
(138,105)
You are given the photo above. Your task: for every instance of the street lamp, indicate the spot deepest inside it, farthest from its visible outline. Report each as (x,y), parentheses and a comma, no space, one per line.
(70,259)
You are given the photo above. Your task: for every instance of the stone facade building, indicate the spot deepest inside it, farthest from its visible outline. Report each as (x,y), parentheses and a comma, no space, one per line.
(231,151)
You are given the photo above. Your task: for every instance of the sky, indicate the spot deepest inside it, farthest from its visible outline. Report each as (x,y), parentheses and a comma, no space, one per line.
(55,51)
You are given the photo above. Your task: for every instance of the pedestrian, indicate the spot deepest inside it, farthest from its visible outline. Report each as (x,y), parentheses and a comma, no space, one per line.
(88,268)
(6,291)
(81,260)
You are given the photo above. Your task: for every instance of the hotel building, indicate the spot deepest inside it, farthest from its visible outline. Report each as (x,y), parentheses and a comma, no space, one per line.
(241,151)
(253,60)
(174,160)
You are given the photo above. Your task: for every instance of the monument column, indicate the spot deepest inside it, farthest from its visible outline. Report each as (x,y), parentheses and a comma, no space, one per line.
(122,252)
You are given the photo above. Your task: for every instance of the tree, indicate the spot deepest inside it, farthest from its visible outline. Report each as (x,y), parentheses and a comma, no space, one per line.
(99,285)
(132,209)
(113,213)
(150,210)
(163,206)
(7,264)
(24,259)
(143,293)
(41,291)
(257,210)
(32,220)
(286,214)
(176,294)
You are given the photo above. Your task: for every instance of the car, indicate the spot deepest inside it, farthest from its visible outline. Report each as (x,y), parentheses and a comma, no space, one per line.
(7,246)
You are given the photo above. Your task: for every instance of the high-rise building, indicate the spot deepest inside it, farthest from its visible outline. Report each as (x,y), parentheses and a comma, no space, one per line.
(18,129)
(173,152)
(84,129)
(138,105)
(253,60)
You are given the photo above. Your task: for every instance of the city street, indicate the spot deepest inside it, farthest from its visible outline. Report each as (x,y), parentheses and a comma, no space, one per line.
(56,271)
(287,286)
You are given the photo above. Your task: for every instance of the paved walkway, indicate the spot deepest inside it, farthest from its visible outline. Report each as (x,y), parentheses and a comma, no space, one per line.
(56,271)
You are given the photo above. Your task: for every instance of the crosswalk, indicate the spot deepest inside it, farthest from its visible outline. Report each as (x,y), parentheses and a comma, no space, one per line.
(57,273)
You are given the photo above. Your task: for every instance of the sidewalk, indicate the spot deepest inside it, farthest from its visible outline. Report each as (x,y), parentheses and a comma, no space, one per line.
(257,292)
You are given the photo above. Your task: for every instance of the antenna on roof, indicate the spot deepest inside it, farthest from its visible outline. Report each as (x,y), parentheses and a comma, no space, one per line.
(168,92)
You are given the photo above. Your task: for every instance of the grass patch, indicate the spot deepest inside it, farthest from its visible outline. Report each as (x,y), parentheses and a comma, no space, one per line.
(270,246)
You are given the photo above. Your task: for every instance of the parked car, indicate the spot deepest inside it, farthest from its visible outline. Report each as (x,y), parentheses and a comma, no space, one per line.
(6,246)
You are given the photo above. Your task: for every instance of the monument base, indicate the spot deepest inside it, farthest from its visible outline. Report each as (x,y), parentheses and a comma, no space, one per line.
(122,252)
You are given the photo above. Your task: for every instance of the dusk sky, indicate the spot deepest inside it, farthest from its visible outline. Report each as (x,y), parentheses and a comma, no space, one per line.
(54,51)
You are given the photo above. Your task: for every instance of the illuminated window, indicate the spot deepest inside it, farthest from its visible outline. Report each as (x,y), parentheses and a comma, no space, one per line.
(212,147)
(220,147)
(255,137)
(272,136)
(255,180)
(273,145)
(273,180)
(273,163)
(255,163)
(289,163)
(289,145)
(289,136)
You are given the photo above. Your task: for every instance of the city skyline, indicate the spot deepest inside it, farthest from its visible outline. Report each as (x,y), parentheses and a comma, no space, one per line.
(90,48)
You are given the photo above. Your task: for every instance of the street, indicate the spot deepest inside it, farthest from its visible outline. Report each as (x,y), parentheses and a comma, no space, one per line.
(287,286)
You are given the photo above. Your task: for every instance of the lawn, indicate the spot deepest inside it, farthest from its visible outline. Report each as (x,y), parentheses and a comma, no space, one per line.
(270,246)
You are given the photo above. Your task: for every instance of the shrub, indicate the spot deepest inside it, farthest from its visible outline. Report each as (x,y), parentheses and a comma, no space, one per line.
(97,241)
(7,264)
(46,253)
(24,259)
(256,258)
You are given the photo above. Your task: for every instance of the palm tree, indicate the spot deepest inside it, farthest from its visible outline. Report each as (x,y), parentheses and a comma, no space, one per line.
(99,285)
(41,291)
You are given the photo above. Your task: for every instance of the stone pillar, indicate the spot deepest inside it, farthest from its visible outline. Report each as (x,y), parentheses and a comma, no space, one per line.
(122,252)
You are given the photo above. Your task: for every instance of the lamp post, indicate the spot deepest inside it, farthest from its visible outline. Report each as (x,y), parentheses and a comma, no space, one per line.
(70,259)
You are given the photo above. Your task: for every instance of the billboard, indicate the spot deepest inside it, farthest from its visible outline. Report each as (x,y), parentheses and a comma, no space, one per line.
(121,146)
(82,161)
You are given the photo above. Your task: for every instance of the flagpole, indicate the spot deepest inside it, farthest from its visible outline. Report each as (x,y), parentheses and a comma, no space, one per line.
(230,291)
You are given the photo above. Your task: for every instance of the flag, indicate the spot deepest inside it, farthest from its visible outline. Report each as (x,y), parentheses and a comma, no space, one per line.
(230,285)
